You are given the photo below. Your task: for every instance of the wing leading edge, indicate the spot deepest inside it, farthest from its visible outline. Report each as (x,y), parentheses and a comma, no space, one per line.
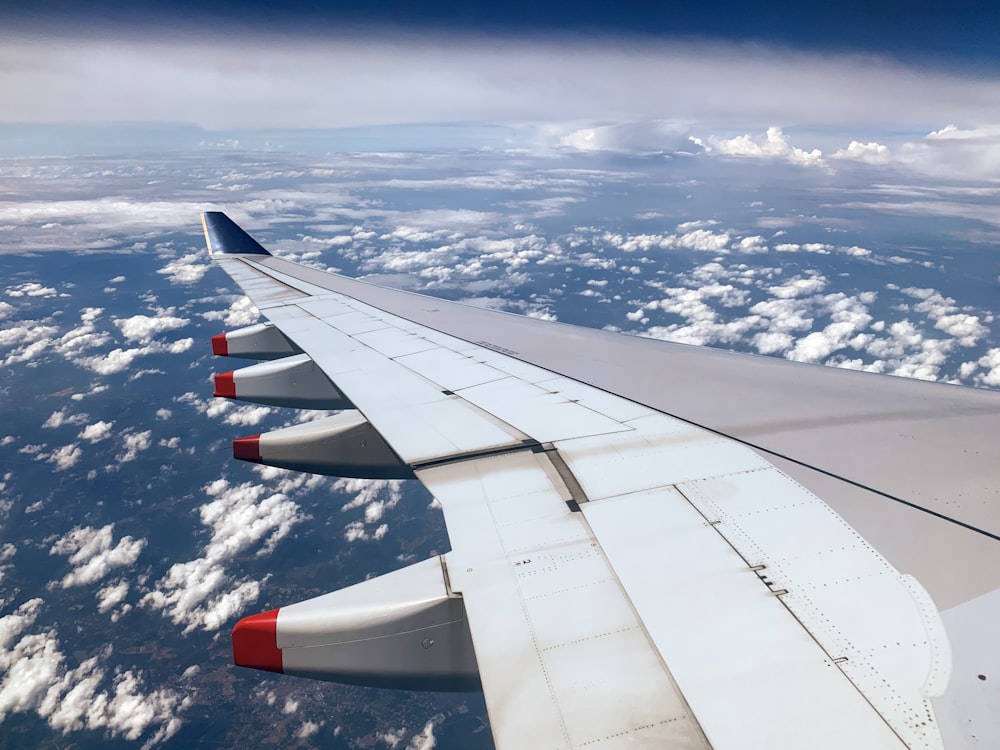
(562,497)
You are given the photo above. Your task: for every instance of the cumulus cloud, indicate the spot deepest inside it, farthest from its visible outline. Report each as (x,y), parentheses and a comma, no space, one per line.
(869,153)
(35,677)
(30,289)
(143,328)
(111,596)
(376,496)
(200,593)
(774,145)
(61,417)
(94,554)
(967,329)
(133,443)
(242,312)
(186,269)
(119,359)
(65,457)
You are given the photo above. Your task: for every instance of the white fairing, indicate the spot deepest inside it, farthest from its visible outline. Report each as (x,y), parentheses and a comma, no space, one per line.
(293,381)
(403,630)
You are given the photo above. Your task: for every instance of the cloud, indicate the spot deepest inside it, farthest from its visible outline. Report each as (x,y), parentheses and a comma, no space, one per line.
(65,457)
(869,153)
(991,361)
(109,596)
(143,328)
(30,289)
(414,79)
(774,145)
(133,443)
(199,593)
(35,677)
(376,496)
(94,553)
(59,418)
(425,740)
(118,360)
(186,270)
(242,312)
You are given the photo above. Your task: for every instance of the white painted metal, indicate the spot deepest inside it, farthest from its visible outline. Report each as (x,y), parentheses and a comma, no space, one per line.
(545,416)
(892,643)
(753,677)
(563,659)
(402,630)
(659,451)
(260,341)
(393,342)
(456,369)
(969,710)
(344,445)
(516,546)
(294,381)
(260,285)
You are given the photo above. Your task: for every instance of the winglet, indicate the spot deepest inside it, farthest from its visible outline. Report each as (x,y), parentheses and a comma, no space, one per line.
(223,236)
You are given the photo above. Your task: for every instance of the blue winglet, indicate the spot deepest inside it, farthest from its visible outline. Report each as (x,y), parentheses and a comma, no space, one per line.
(223,236)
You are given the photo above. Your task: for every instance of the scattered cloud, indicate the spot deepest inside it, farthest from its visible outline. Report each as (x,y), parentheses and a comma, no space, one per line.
(65,457)
(186,269)
(35,677)
(774,145)
(132,444)
(94,554)
(200,593)
(143,328)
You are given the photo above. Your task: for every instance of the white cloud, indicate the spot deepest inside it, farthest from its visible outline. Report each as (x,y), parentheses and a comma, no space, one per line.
(242,312)
(112,595)
(414,79)
(143,328)
(425,740)
(247,416)
(869,153)
(774,145)
(94,553)
(59,418)
(133,443)
(991,361)
(308,729)
(199,593)
(34,677)
(30,289)
(376,496)
(65,457)
(186,269)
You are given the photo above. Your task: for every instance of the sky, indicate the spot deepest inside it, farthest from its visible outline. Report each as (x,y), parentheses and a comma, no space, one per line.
(875,68)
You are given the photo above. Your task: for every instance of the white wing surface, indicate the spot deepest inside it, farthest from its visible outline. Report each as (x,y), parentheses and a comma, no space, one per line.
(625,573)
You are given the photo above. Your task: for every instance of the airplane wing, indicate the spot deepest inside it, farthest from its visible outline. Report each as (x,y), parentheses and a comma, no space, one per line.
(653,545)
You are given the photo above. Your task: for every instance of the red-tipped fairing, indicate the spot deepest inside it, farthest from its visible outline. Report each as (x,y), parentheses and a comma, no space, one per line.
(220,347)
(247,448)
(255,642)
(225,385)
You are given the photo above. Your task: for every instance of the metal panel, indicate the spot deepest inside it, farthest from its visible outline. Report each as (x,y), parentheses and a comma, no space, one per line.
(563,660)
(544,416)
(393,342)
(451,369)
(892,643)
(660,451)
(753,676)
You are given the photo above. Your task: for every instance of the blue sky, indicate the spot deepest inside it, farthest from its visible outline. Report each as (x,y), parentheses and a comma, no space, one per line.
(966,32)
